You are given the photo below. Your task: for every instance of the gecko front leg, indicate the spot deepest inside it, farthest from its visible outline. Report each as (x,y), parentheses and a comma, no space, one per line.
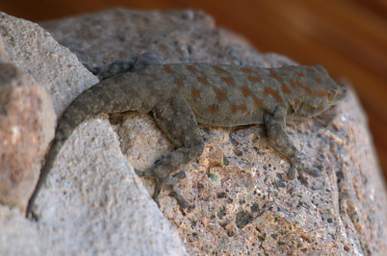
(275,124)
(177,121)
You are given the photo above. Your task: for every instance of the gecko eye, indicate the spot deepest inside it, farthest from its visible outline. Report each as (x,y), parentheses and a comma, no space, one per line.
(342,92)
(334,95)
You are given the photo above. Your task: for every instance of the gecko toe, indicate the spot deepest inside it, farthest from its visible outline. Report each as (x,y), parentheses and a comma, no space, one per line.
(144,173)
(181,201)
(170,182)
(292,172)
(313,171)
(299,167)
(180,175)
(156,191)
(296,166)
(139,173)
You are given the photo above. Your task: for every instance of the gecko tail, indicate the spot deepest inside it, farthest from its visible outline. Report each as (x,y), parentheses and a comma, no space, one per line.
(66,125)
(50,157)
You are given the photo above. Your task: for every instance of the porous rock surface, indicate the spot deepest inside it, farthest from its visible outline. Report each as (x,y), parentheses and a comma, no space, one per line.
(242,203)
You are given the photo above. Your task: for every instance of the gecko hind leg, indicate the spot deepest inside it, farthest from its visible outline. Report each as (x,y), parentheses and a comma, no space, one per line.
(275,126)
(177,121)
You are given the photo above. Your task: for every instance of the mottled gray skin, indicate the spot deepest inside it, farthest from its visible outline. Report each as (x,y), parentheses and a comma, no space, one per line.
(182,95)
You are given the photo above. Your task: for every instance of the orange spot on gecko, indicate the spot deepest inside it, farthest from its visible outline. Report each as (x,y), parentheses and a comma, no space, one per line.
(220,70)
(168,69)
(295,83)
(270,91)
(300,74)
(163,48)
(254,79)
(246,91)
(192,68)
(238,108)
(275,75)
(195,93)
(247,70)
(229,80)
(203,80)
(306,88)
(318,79)
(179,83)
(321,93)
(258,103)
(310,91)
(285,89)
(243,108)
(221,95)
(213,108)
(234,108)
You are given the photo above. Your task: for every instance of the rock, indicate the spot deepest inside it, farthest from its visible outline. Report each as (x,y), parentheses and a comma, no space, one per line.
(19,236)
(27,122)
(3,55)
(35,52)
(124,221)
(116,37)
(92,203)
(27,119)
(243,203)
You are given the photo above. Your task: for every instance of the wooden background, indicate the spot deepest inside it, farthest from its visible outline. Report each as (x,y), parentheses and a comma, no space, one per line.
(349,37)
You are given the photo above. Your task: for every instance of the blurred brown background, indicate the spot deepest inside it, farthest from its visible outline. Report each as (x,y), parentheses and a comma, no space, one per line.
(349,37)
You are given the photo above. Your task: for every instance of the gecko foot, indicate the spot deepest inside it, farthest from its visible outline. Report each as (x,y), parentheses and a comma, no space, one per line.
(170,182)
(143,173)
(298,167)
(314,171)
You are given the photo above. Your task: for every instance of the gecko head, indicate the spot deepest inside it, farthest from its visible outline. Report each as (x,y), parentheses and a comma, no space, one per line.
(316,92)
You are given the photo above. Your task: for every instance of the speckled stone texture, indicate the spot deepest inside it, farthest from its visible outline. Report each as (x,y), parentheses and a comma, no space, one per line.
(27,122)
(242,202)
(19,236)
(119,36)
(93,204)
(35,52)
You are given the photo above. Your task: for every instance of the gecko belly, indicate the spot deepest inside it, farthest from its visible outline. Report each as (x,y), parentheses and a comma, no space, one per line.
(221,119)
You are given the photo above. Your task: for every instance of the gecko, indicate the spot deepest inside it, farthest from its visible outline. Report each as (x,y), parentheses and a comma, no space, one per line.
(182,96)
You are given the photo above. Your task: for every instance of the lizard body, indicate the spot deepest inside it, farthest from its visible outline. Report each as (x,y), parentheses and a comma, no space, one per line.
(182,95)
